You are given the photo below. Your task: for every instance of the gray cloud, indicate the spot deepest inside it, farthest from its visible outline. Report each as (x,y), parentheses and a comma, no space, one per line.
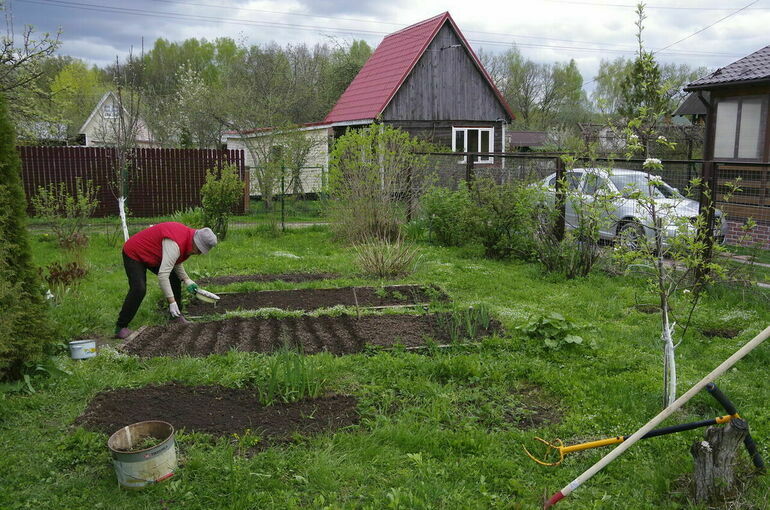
(565,30)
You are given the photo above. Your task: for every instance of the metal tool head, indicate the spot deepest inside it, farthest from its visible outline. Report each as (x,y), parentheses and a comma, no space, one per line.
(550,448)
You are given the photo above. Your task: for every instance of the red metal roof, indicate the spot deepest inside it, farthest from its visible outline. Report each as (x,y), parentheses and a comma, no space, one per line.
(389,66)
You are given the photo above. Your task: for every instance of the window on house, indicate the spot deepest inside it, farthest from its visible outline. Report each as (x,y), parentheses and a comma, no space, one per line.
(740,128)
(473,139)
(110,111)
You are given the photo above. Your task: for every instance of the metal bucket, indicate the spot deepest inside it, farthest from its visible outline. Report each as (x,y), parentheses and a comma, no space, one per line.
(82,349)
(135,467)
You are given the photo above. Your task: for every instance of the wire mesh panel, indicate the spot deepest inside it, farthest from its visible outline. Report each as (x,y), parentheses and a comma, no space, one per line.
(748,205)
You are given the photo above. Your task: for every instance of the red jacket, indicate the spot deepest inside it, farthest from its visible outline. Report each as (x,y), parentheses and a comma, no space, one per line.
(147,245)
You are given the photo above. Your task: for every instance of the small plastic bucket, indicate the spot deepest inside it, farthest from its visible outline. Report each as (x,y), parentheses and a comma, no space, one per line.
(137,467)
(82,349)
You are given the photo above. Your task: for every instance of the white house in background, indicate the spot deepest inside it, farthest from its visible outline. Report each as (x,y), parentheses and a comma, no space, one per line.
(258,143)
(101,126)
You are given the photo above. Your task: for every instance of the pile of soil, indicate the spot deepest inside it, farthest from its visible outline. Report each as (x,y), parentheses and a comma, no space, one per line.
(339,335)
(287,277)
(313,299)
(216,410)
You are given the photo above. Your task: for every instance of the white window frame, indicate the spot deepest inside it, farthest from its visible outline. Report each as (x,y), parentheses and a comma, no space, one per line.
(480,129)
(738,101)
(110,111)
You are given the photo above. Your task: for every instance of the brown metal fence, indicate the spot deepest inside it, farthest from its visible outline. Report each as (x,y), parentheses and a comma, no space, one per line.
(752,201)
(161,182)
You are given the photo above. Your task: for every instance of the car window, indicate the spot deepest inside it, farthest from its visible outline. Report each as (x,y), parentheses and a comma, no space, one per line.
(594,183)
(629,183)
(573,180)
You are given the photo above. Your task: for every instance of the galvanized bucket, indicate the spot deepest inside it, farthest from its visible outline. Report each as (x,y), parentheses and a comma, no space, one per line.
(82,349)
(136,467)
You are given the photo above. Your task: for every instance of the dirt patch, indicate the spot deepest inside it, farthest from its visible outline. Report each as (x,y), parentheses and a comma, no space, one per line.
(720,332)
(339,335)
(313,299)
(217,410)
(647,308)
(537,410)
(287,277)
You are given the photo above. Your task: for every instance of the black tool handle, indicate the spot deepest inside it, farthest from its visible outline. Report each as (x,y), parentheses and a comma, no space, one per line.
(748,441)
(751,447)
(721,398)
(679,428)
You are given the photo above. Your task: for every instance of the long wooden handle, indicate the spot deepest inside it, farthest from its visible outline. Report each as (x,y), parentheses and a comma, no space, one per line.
(636,436)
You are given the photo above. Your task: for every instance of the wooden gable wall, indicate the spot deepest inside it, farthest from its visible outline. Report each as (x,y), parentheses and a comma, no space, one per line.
(445,85)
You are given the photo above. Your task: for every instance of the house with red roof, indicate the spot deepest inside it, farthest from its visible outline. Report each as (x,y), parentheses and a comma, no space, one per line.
(427,80)
(424,79)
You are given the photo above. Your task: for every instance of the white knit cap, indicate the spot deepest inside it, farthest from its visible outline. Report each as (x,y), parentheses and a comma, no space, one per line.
(205,239)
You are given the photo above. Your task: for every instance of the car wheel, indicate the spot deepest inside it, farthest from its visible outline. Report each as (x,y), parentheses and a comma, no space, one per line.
(630,235)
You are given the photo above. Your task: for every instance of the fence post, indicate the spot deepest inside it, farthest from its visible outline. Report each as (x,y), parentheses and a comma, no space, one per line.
(409,200)
(283,195)
(708,203)
(469,174)
(560,202)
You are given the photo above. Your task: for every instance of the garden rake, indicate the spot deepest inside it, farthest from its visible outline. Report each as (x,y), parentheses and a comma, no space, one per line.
(562,450)
(558,446)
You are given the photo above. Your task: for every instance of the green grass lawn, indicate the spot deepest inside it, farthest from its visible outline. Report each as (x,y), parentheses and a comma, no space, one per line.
(433,431)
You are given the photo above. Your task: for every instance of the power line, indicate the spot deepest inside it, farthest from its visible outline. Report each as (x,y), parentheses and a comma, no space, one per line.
(217,19)
(709,26)
(660,7)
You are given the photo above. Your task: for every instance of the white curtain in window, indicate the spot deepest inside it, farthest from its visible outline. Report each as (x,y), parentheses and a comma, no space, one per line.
(751,127)
(727,120)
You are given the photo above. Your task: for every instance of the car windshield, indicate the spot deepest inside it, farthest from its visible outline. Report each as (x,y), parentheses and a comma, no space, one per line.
(628,183)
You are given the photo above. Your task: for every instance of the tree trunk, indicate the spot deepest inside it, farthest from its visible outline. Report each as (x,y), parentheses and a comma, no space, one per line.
(715,460)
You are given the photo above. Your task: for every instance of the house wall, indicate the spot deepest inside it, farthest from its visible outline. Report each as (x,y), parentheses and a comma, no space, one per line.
(440,132)
(753,200)
(313,176)
(445,85)
(100,130)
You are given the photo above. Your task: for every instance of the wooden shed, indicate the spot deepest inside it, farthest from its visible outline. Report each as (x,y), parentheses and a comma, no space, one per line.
(737,138)
(427,80)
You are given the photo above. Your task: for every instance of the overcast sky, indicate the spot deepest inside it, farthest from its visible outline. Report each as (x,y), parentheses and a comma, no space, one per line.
(544,30)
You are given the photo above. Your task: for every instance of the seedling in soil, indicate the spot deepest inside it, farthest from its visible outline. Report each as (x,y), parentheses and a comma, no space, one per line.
(465,323)
(397,295)
(290,378)
(381,293)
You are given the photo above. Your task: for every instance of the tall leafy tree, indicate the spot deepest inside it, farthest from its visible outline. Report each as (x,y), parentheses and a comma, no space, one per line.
(22,58)
(541,95)
(23,326)
(607,94)
(75,91)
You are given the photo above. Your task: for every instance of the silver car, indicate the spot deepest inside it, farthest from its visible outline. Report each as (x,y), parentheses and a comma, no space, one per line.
(626,217)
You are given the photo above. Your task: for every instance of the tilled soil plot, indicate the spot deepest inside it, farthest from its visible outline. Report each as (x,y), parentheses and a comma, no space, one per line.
(338,335)
(313,299)
(216,410)
(286,277)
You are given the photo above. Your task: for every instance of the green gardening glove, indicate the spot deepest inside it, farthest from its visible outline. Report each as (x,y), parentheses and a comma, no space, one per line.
(192,288)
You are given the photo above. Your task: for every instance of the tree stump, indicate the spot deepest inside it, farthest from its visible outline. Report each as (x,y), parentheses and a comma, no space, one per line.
(715,460)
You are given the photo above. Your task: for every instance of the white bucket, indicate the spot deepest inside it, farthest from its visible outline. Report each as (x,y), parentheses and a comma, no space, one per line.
(137,468)
(82,349)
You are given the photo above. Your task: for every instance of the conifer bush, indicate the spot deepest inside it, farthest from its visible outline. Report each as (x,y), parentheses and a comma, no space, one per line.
(23,323)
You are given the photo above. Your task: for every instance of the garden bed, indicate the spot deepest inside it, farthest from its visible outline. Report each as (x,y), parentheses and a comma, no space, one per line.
(342,334)
(217,410)
(286,277)
(313,299)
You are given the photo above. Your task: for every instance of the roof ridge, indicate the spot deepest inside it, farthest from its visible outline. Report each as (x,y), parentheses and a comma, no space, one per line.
(419,23)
